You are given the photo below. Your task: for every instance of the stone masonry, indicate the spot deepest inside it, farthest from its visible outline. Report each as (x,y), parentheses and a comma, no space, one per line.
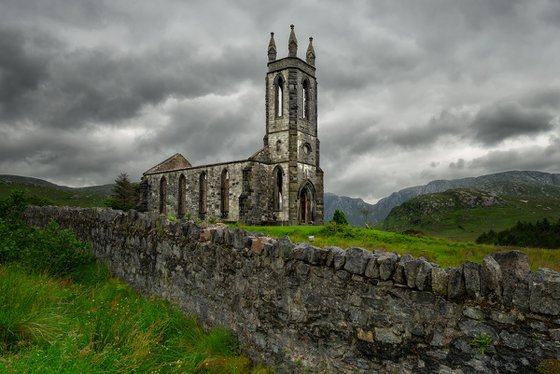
(282,183)
(304,308)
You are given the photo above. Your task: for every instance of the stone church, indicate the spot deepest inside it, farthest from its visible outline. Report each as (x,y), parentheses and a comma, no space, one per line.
(281,183)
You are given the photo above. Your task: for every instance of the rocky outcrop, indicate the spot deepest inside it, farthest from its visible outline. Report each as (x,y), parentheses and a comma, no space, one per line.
(302,307)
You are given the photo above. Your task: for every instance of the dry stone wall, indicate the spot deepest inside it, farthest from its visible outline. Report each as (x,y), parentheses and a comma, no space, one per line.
(302,307)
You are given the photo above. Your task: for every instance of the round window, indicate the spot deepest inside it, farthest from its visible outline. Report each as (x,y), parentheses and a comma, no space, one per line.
(307,148)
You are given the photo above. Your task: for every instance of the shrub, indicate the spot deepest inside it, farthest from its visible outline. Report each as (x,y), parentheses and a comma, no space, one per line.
(339,218)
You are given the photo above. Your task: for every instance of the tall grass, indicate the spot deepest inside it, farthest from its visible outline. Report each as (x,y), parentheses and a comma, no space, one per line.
(60,312)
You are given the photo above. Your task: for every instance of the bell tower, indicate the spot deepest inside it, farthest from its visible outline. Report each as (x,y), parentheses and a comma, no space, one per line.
(291,134)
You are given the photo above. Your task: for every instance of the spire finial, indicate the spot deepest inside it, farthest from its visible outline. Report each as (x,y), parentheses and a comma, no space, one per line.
(292,43)
(271,48)
(310,54)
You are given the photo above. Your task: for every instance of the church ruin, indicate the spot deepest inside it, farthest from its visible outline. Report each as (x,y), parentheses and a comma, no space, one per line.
(281,183)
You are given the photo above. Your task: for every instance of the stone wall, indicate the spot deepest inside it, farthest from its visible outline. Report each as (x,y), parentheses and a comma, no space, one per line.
(302,307)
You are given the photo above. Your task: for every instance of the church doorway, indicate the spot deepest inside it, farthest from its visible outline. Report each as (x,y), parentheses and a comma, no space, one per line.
(307,204)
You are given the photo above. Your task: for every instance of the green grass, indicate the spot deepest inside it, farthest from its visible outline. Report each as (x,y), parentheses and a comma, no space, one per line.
(56,325)
(443,252)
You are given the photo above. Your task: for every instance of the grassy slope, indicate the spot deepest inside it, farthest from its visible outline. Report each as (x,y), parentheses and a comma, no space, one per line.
(440,251)
(461,223)
(55,325)
(59,195)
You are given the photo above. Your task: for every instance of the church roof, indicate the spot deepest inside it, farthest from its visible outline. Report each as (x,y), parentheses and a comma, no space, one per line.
(175,162)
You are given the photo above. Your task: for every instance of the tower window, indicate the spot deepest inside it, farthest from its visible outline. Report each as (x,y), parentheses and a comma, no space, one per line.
(279,96)
(279,146)
(305,99)
(307,148)
(224,202)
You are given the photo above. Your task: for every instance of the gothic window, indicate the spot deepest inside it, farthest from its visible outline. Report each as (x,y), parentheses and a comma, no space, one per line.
(203,189)
(279,146)
(181,191)
(279,96)
(162,195)
(305,99)
(278,174)
(224,193)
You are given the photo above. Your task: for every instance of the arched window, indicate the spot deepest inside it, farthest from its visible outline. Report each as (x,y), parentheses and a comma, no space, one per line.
(224,190)
(278,201)
(305,99)
(162,196)
(279,146)
(181,191)
(279,96)
(203,189)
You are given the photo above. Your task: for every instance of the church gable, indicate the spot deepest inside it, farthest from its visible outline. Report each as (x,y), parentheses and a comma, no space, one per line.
(175,162)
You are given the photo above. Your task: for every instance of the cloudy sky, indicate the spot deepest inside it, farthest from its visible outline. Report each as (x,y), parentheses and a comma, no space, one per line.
(409,91)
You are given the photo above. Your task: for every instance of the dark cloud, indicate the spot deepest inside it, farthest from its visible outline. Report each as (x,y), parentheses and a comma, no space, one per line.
(407,90)
(507,120)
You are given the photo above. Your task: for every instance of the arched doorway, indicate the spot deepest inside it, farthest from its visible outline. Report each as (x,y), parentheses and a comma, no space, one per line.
(306,197)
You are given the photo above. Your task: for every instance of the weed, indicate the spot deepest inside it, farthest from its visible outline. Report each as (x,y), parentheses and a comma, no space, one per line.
(482,342)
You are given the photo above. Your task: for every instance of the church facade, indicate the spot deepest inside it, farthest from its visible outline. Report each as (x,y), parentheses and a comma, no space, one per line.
(282,183)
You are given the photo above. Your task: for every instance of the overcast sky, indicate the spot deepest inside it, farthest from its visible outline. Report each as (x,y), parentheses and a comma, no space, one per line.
(409,91)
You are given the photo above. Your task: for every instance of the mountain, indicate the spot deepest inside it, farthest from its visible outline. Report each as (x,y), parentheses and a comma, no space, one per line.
(463,214)
(54,194)
(357,211)
(515,183)
(511,183)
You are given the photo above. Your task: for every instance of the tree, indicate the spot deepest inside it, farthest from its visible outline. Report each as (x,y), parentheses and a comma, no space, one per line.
(339,218)
(125,195)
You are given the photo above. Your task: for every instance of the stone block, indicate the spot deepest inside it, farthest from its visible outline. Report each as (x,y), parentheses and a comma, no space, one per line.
(456,284)
(356,260)
(386,336)
(205,235)
(544,287)
(471,273)
(285,247)
(515,270)
(410,270)
(440,280)
(491,278)
(372,268)
(257,244)
(424,275)
(387,263)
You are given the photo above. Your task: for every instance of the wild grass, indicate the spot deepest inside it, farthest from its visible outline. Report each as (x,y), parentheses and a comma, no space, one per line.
(54,325)
(60,312)
(443,252)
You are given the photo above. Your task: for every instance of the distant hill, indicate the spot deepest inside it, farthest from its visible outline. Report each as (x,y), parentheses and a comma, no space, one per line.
(463,214)
(54,194)
(513,183)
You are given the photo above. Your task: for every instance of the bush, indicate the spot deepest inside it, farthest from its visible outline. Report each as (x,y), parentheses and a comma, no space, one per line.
(339,218)
(51,250)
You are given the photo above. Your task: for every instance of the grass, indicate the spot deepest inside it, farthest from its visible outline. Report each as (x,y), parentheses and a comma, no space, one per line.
(443,252)
(101,325)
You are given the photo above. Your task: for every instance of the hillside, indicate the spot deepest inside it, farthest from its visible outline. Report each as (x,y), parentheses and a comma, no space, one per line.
(463,214)
(55,194)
